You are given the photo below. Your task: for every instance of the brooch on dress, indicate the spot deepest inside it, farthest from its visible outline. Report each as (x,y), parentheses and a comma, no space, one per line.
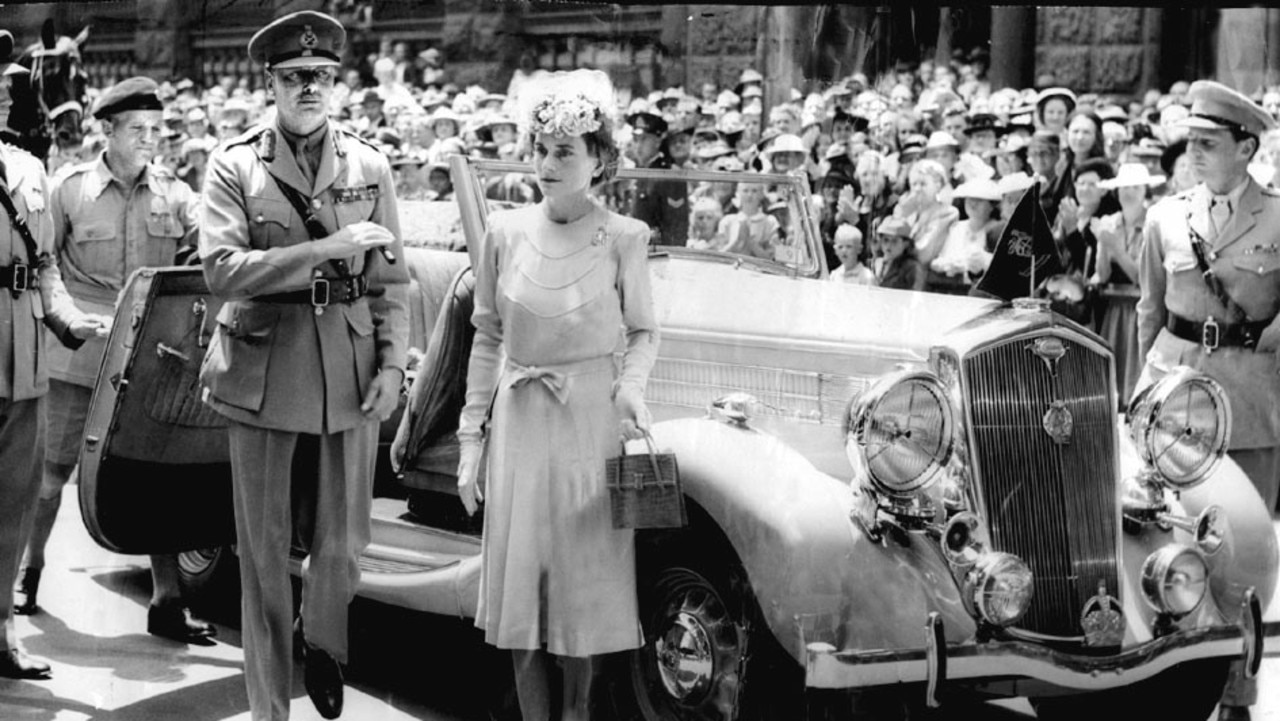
(600,236)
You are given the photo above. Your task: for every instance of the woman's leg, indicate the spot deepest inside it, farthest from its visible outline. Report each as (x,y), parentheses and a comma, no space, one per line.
(578,676)
(533,683)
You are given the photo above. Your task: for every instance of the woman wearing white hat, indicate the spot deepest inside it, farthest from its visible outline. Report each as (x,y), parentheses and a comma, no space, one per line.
(965,253)
(1116,270)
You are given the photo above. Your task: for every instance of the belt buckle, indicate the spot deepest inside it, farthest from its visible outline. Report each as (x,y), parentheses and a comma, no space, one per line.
(21,277)
(1209,335)
(319,294)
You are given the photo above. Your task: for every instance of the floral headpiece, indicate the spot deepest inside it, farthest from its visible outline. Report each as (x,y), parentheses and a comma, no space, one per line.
(558,115)
(567,103)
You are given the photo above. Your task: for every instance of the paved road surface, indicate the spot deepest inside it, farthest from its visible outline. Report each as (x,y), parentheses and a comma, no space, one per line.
(107,668)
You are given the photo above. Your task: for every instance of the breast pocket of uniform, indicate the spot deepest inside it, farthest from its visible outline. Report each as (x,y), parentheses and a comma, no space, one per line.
(235,365)
(269,221)
(164,234)
(1180,261)
(352,211)
(96,244)
(1258,264)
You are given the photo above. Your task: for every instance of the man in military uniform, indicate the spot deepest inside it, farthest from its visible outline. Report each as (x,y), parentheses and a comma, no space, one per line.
(31,293)
(111,216)
(1222,323)
(661,204)
(1182,320)
(299,235)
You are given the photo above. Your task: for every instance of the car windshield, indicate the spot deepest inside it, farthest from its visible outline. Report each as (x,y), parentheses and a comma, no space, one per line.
(749,218)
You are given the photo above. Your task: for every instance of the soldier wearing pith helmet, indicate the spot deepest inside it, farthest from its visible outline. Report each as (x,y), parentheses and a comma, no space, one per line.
(300,237)
(1210,278)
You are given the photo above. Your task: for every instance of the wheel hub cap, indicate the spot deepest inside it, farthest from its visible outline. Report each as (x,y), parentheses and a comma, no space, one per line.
(685,660)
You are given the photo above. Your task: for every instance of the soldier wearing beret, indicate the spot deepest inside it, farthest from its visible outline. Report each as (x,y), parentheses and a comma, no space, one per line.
(1222,323)
(111,216)
(661,204)
(300,238)
(31,294)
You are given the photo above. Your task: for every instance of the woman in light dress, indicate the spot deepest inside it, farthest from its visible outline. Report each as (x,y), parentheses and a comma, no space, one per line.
(557,284)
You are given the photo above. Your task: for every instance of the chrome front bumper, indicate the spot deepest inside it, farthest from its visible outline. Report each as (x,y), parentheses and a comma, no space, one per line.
(935,664)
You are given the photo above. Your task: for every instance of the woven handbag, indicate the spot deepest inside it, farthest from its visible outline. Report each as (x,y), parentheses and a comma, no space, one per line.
(644,489)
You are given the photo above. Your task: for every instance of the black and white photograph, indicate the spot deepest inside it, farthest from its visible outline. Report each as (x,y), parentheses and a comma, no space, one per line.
(502,360)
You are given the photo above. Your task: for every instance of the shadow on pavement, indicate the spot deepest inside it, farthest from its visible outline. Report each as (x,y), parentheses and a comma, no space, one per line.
(32,701)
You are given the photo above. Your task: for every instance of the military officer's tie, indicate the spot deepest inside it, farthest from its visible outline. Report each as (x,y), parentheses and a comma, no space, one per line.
(1219,214)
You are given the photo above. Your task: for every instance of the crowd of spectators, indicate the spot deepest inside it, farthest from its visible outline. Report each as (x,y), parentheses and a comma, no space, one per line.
(912,174)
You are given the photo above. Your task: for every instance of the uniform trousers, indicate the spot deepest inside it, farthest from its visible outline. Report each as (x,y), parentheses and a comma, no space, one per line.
(315,490)
(22,436)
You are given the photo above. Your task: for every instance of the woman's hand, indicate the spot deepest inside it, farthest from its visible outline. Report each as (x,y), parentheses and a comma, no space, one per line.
(632,412)
(469,476)
(1069,215)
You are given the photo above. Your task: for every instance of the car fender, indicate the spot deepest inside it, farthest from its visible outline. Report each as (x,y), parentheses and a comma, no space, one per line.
(817,575)
(1250,558)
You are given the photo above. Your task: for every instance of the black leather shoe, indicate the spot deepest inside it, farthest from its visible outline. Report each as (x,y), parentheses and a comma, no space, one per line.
(24,596)
(15,663)
(174,621)
(322,676)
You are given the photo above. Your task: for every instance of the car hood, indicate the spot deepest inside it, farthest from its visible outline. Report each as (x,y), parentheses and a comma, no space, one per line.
(743,306)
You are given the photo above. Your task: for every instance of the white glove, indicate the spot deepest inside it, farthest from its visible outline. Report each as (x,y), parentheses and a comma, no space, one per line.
(632,412)
(469,476)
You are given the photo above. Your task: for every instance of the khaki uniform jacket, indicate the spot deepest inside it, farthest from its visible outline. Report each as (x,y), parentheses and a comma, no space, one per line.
(104,231)
(1246,257)
(24,361)
(281,365)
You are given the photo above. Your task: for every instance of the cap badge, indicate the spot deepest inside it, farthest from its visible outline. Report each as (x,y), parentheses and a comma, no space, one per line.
(308,41)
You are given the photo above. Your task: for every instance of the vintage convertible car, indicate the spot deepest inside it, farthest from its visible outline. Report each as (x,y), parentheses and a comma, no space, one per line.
(892,495)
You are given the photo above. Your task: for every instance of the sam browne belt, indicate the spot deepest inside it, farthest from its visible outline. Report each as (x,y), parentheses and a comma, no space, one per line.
(323,292)
(1212,335)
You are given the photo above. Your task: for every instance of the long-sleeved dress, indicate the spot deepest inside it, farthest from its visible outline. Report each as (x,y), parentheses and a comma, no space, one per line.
(553,302)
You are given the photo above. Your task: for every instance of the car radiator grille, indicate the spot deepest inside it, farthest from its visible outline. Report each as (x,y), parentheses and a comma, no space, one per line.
(1054,505)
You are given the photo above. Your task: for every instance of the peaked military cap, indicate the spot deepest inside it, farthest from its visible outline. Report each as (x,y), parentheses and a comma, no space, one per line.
(1214,106)
(7,66)
(139,93)
(299,40)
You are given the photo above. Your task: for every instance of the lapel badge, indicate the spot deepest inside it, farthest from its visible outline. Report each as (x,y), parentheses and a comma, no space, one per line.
(308,41)
(599,236)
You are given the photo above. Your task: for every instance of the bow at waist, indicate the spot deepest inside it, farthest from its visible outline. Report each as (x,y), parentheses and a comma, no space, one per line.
(555,377)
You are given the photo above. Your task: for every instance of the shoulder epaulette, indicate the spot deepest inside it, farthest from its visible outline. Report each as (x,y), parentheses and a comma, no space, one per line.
(345,134)
(262,136)
(71,169)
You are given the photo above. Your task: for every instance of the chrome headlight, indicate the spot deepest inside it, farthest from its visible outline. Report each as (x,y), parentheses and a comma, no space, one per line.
(998,588)
(901,431)
(1174,579)
(1180,426)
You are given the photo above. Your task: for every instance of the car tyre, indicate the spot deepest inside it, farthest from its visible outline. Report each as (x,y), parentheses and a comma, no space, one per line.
(210,579)
(707,653)
(1188,691)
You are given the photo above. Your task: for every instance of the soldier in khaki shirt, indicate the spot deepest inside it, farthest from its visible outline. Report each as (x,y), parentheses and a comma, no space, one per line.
(110,216)
(31,294)
(1182,321)
(1236,223)
(307,357)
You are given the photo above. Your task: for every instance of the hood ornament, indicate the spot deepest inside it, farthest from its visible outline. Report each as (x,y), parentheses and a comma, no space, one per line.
(1101,619)
(1050,350)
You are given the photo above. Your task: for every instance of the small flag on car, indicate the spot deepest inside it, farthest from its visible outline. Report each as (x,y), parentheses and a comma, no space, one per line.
(1024,256)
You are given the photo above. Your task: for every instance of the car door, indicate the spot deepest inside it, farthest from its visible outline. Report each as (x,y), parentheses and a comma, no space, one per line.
(155,475)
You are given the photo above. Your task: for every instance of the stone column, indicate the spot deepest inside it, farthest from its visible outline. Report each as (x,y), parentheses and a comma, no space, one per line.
(784,49)
(1013,45)
(1242,48)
